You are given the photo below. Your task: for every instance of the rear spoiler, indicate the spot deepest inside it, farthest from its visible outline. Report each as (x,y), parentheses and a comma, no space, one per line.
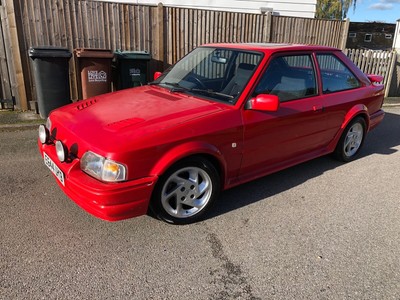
(375,78)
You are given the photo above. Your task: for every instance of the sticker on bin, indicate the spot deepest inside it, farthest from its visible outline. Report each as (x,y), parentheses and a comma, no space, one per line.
(134,72)
(97,76)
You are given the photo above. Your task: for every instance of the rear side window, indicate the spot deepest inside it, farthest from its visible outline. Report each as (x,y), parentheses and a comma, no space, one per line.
(289,77)
(335,75)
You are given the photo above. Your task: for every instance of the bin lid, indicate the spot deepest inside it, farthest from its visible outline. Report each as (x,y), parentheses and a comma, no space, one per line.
(49,51)
(140,55)
(93,53)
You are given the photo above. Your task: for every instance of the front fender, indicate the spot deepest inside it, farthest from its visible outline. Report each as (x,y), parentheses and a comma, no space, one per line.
(188,149)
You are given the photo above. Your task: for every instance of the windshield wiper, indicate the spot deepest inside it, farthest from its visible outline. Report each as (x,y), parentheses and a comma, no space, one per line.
(178,88)
(211,92)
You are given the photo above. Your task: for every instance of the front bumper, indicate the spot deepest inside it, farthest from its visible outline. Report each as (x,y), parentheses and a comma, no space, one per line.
(107,201)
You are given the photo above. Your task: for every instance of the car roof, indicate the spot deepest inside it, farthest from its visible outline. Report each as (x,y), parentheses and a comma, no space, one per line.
(271,47)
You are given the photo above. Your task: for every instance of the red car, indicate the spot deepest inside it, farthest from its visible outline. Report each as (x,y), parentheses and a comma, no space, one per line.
(223,115)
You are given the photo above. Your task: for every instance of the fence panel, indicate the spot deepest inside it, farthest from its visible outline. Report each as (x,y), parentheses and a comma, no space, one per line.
(307,31)
(376,62)
(188,28)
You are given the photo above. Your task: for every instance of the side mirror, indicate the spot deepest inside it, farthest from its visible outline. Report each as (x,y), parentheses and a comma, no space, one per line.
(263,102)
(156,75)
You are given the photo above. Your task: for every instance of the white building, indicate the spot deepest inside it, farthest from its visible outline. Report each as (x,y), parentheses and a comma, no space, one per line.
(298,8)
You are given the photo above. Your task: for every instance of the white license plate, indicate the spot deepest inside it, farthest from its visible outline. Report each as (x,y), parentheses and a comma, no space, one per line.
(53,168)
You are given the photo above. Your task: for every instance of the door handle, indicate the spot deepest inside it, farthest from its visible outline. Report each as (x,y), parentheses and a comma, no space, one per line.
(317,108)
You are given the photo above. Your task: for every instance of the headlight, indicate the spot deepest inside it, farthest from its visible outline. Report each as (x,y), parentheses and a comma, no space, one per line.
(102,168)
(44,134)
(61,150)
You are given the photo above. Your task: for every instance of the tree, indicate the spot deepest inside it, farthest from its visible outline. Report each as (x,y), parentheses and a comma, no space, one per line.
(334,9)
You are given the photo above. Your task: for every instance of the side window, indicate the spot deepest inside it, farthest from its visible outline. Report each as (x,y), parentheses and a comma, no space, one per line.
(335,75)
(289,77)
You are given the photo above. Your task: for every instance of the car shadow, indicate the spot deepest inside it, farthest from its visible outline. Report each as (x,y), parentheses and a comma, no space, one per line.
(381,140)
(385,137)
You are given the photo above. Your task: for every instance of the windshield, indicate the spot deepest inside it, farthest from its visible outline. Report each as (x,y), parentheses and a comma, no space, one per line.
(215,73)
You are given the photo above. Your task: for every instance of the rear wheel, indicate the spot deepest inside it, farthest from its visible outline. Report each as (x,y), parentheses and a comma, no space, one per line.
(186,191)
(351,140)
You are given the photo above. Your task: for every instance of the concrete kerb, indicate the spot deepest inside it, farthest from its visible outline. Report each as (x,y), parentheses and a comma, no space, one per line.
(17,120)
(391,101)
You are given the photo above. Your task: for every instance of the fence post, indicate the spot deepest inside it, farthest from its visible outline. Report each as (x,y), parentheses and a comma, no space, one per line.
(345,33)
(6,93)
(18,82)
(393,85)
(161,25)
(393,59)
(268,27)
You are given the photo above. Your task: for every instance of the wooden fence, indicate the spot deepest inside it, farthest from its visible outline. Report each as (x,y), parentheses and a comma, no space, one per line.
(188,28)
(374,62)
(167,33)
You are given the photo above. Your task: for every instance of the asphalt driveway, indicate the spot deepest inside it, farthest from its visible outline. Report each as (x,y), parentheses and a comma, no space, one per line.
(320,230)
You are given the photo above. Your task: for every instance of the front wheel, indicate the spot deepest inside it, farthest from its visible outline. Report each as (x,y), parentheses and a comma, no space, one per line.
(351,140)
(186,191)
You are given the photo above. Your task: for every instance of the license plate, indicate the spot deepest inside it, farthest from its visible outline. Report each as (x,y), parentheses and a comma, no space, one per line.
(54,168)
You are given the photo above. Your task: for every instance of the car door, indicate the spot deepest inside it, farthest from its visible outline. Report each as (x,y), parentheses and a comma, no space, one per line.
(274,140)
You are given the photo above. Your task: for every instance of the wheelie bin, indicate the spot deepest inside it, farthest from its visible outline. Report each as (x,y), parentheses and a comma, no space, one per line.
(94,71)
(131,68)
(50,66)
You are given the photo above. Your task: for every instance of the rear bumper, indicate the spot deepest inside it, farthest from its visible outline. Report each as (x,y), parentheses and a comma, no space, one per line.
(375,119)
(107,201)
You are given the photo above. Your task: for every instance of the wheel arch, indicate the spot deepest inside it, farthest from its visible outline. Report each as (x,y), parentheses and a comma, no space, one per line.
(359,110)
(192,150)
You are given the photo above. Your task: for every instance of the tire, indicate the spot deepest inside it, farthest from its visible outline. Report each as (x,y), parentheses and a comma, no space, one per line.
(185,193)
(351,140)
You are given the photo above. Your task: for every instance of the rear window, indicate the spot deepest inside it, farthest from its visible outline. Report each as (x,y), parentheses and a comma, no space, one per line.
(335,74)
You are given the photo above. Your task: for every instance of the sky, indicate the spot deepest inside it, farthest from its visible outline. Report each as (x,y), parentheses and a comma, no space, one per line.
(387,11)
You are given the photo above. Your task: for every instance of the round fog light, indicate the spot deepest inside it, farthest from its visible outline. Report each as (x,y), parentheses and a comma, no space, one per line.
(61,151)
(43,134)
